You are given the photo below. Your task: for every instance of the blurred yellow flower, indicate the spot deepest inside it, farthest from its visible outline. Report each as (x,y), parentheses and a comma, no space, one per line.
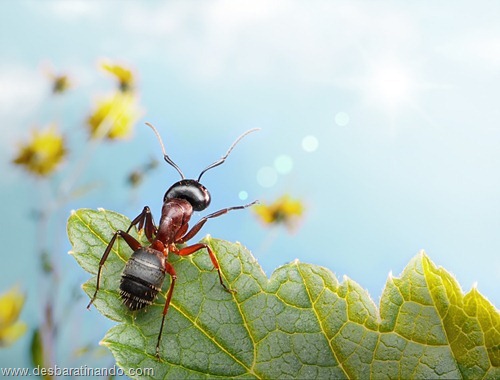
(124,75)
(284,210)
(11,304)
(114,117)
(43,153)
(136,176)
(60,83)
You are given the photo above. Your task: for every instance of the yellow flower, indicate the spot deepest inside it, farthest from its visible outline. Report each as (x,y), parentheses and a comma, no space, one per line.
(137,176)
(284,210)
(43,153)
(114,117)
(60,83)
(11,329)
(124,75)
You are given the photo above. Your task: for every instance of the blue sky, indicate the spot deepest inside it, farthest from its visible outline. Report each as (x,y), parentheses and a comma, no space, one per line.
(387,111)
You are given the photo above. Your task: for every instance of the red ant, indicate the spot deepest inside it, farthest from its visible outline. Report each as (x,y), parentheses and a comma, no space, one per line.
(144,272)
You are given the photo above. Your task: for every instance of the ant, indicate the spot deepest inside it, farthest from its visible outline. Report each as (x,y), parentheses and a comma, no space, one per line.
(144,272)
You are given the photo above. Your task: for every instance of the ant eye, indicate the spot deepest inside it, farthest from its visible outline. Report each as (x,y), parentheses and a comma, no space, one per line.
(190,190)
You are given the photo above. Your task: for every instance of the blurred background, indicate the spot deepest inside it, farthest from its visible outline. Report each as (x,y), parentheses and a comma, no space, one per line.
(380,132)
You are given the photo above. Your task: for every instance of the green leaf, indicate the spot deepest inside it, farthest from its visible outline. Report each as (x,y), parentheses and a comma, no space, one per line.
(300,323)
(37,352)
(36,349)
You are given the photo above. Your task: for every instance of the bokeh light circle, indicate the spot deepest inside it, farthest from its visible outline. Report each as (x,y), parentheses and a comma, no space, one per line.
(342,119)
(310,143)
(267,176)
(283,164)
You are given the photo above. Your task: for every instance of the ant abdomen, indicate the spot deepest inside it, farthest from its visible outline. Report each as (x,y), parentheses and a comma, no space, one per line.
(142,278)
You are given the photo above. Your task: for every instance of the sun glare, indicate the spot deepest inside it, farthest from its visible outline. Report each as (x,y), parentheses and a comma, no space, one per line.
(390,85)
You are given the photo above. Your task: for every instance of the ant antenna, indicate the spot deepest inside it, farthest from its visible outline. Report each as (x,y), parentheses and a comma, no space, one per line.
(165,155)
(221,160)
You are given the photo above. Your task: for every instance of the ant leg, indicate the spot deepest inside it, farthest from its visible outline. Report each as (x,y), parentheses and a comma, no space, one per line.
(145,220)
(197,227)
(196,247)
(132,243)
(171,271)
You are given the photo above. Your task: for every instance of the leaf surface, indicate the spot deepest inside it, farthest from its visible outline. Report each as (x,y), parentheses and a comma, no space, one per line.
(301,323)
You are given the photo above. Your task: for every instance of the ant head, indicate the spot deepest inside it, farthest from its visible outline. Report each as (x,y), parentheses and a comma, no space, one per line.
(190,190)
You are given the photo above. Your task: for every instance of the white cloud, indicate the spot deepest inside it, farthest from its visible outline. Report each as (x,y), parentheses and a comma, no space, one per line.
(480,48)
(70,11)
(255,39)
(21,91)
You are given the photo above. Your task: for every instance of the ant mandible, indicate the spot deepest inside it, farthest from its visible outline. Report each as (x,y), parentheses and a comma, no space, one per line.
(144,272)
